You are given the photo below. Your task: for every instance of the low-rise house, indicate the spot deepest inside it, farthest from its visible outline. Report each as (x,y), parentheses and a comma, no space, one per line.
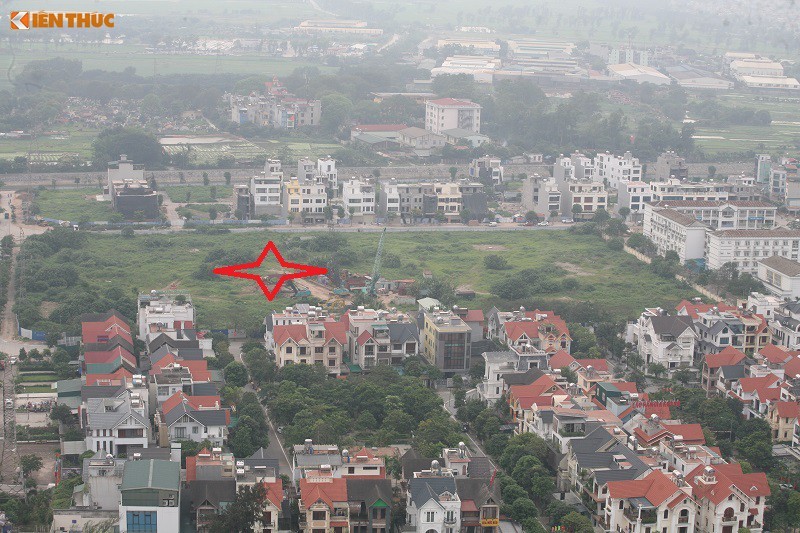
(653,430)
(370,502)
(422,142)
(657,502)
(309,457)
(150,496)
(446,341)
(379,337)
(486,169)
(543,330)
(727,498)
(358,198)
(363,464)
(756,394)
(116,425)
(715,364)
(668,340)
(785,325)
(782,417)
(206,499)
(432,503)
(541,195)
(186,422)
(324,505)
(311,343)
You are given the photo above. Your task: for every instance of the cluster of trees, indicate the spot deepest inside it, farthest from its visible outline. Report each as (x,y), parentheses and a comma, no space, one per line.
(52,269)
(533,281)
(729,280)
(715,114)
(379,408)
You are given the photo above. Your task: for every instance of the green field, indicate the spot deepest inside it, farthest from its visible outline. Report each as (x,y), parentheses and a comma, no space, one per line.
(199,193)
(614,282)
(30,389)
(73,205)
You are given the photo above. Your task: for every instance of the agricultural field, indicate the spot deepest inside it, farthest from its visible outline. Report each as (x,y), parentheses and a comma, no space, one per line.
(782,135)
(49,148)
(74,205)
(207,150)
(614,282)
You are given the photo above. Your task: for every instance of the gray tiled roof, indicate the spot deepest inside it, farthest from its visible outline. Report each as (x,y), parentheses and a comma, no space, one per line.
(477,490)
(206,417)
(212,491)
(402,332)
(423,489)
(108,413)
(671,325)
(369,491)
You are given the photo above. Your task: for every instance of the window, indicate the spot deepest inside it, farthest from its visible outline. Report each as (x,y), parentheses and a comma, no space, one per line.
(194,429)
(142,521)
(318,515)
(430,516)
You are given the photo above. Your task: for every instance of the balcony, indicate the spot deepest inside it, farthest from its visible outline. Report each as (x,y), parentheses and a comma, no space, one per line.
(449,520)
(648,516)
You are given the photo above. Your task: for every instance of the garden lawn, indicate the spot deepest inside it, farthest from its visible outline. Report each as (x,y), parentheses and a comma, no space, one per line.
(614,282)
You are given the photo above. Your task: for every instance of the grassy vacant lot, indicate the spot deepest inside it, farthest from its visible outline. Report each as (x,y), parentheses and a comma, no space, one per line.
(784,130)
(118,58)
(73,205)
(199,194)
(614,282)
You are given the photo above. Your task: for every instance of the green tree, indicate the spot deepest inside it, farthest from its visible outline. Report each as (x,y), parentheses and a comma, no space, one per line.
(495,262)
(212,213)
(61,413)
(577,209)
(337,112)
(523,508)
(227,176)
(127,232)
(624,212)
(30,463)
(140,147)
(453,172)
(577,523)
(657,369)
(206,181)
(531,216)
(236,374)
(246,510)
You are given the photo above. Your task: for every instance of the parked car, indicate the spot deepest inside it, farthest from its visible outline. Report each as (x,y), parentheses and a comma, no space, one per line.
(492,224)
(9,403)
(12,361)
(543,223)
(567,221)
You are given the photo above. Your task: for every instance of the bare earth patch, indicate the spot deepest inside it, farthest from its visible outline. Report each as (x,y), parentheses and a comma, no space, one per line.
(573,269)
(45,308)
(490,247)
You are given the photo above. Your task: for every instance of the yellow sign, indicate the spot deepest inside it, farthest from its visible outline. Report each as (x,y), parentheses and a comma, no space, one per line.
(490,522)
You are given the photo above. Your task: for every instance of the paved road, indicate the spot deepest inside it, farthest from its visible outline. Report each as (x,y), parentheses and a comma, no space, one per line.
(275,449)
(448,404)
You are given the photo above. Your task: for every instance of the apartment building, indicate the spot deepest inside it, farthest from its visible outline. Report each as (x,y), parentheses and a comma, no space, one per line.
(633,195)
(129,192)
(589,195)
(613,169)
(306,199)
(266,191)
(541,195)
(390,199)
(326,167)
(577,166)
(358,198)
(671,230)
(446,341)
(486,169)
(450,113)
(745,248)
(311,343)
(417,198)
(670,165)
(781,276)
(673,189)
(150,496)
(745,188)
(721,215)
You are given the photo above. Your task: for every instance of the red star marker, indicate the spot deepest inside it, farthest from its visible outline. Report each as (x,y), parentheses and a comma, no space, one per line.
(302,271)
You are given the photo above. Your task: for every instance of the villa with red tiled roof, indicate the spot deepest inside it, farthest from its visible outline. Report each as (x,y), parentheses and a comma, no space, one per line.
(323,504)
(727,497)
(542,392)
(782,417)
(693,309)
(656,499)
(315,342)
(713,364)
(541,330)
(756,394)
(107,344)
(652,430)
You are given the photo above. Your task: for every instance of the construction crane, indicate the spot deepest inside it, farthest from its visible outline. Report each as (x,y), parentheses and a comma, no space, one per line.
(376,267)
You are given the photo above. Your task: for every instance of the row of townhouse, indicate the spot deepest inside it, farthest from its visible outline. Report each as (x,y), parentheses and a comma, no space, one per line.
(609,169)
(780,179)
(362,338)
(424,200)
